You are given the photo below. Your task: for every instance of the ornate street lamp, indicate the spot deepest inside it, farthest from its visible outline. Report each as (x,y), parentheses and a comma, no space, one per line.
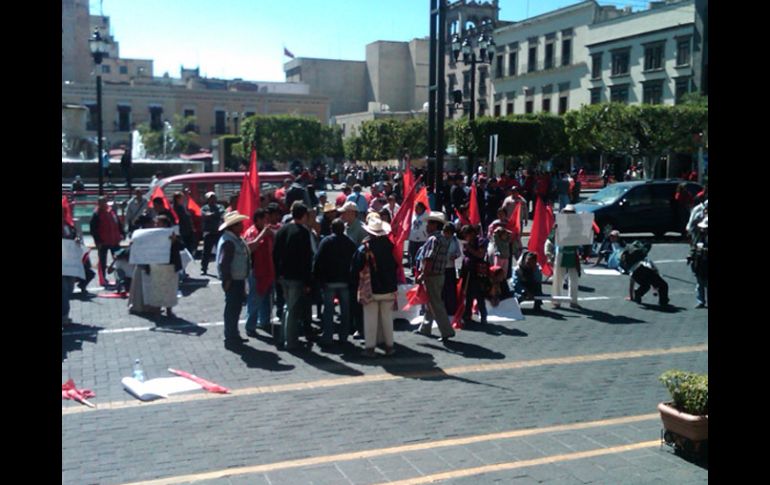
(99,50)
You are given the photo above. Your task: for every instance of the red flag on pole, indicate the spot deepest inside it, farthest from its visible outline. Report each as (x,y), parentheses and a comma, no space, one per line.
(400,227)
(463,220)
(541,226)
(208,385)
(67,210)
(158,192)
(457,318)
(473,207)
(422,196)
(416,295)
(248,200)
(514,223)
(408,178)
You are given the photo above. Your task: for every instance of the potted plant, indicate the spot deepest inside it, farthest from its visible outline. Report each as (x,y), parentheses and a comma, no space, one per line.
(685,419)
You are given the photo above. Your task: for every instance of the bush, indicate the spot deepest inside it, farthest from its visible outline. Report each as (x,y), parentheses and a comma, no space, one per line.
(690,391)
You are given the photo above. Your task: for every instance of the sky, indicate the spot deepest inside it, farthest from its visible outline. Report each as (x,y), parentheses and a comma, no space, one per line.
(246,38)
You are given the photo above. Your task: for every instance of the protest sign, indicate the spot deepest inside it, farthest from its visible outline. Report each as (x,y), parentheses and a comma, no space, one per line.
(151,246)
(72,259)
(574,229)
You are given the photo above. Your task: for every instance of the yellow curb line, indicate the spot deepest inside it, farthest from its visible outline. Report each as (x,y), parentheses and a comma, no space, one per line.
(360,455)
(367,379)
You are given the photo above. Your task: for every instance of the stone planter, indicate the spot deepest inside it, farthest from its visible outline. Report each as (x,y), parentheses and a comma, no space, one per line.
(685,431)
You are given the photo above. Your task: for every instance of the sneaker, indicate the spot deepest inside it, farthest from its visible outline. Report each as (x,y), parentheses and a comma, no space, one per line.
(700,305)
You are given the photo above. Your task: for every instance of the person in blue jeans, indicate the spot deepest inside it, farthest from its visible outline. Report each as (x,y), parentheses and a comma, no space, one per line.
(259,237)
(233,265)
(331,267)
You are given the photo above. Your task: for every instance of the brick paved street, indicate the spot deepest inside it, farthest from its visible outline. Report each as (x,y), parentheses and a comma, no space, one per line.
(324,407)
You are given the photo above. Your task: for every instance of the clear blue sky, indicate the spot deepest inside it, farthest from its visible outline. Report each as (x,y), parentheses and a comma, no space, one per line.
(245,38)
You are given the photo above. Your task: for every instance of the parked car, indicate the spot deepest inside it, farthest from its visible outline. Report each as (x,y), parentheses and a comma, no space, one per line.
(224,184)
(639,206)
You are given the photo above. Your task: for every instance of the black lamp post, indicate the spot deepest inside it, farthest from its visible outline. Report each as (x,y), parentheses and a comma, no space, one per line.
(487,48)
(99,49)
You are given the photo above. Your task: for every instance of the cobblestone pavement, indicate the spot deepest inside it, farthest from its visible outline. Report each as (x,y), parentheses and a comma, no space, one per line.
(565,396)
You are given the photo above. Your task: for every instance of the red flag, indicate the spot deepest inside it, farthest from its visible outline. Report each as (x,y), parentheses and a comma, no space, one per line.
(542,224)
(67,210)
(514,223)
(158,192)
(457,319)
(248,200)
(422,196)
(193,207)
(69,391)
(408,178)
(208,385)
(596,227)
(463,220)
(473,207)
(400,227)
(417,295)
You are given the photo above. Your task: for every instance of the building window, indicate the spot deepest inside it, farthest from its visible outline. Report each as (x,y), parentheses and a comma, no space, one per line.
(528,106)
(93,117)
(620,62)
(562,104)
(123,69)
(652,92)
(682,88)
(596,95)
(509,108)
(219,122)
(188,113)
(546,105)
(566,52)
(124,118)
(532,61)
(482,108)
(156,121)
(105,69)
(466,84)
(596,66)
(497,111)
(499,67)
(683,52)
(512,64)
(483,76)
(653,57)
(619,94)
(548,56)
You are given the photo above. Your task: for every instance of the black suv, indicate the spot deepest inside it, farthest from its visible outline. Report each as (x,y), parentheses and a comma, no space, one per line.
(641,206)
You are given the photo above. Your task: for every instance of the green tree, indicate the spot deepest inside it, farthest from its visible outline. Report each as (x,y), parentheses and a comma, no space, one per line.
(283,137)
(414,137)
(181,138)
(331,142)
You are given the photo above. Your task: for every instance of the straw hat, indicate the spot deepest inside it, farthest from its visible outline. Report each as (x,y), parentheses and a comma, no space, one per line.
(231,219)
(436,216)
(329,207)
(376,227)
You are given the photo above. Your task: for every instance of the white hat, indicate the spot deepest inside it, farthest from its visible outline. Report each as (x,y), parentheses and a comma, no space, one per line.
(569,208)
(232,218)
(210,195)
(349,206)
(436,216)
(376,227)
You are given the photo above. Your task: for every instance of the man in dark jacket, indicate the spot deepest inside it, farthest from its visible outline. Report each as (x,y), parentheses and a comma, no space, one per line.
(107,233)
(213,215)
(293,260)
(331,267)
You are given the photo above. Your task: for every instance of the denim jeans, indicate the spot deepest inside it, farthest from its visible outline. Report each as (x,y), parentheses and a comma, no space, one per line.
(341,291)
(258,306)
(234,298)
(67,285)
(294,313)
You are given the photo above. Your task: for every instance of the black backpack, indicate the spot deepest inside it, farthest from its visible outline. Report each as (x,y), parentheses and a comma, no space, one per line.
(632,254)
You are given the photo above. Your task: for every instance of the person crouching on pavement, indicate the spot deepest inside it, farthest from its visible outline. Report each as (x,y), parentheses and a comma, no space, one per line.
(376,254)
(528,279)
(434,256)
(233,266)
(646,275)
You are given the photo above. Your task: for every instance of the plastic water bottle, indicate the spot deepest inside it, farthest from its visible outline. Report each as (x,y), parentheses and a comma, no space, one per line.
(138,372)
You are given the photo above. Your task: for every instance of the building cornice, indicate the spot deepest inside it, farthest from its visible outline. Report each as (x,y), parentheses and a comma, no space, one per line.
(646,33)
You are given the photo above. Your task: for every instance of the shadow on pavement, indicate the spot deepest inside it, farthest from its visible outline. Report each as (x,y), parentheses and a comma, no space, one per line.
(259,359)
(465,349)
(191,285)
(605,317)
(662,309)
(175,325)
(305,352)
(75,334)
(586,289)
(494,329)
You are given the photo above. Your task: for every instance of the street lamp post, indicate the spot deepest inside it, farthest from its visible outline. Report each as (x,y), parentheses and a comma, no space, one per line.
(99,51)
(486,54)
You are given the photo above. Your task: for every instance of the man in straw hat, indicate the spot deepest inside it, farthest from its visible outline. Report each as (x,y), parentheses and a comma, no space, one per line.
(233,265)
(434,260)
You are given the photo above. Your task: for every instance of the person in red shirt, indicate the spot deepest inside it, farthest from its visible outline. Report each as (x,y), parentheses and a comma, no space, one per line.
(107,232)
(259,238)
(343,197)
(280,194)
(684,202)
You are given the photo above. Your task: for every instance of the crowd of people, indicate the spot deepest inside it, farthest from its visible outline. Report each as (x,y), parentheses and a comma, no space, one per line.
(301,250)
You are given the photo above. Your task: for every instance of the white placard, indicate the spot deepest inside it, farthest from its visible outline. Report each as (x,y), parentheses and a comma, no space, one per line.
(602,272)
(508,310)
(158,388)
(72,259)
(186,257)
(575,229)
(151,246)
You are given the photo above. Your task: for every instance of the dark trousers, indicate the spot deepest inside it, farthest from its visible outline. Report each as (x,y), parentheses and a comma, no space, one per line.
(475,291)
(210,241)
(449,295)
(235,296)
(413,248)
(356,310)
(102,252)
(645,278)
(279,301)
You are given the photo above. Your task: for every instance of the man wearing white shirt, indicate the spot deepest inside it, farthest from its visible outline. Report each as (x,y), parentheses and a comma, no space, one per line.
(419,232)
